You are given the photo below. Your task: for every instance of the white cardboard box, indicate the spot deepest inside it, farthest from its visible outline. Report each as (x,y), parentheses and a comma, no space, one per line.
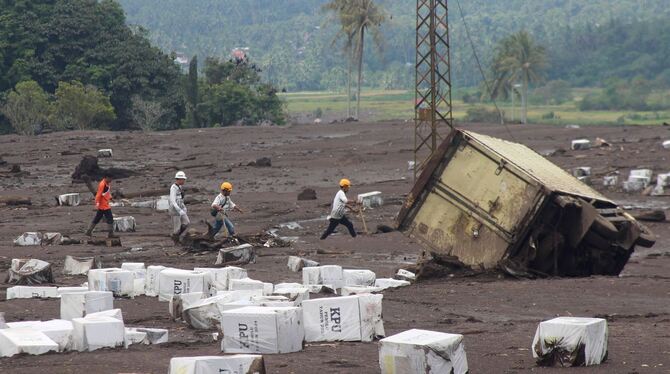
(295,263)
(139,276)
(385,283)
(218,279)
(357,290)
(68,199)
(114,313)
(345,318)
(58,330)
(266,301)
(154,336)
(234,364)
(423,351)
(296,294)
(262,330)
(571,332)
(580,144)
(177,281)
(78,304)
(355,277)
(244,253)
(93,333)
(251,284)
(163,203)
(132,336)
(30,292)
(124,224)
(62,290)
(25,340)
(179,302)
(120,282)
(151,286)
(330,275)
(371,199)
(107,152)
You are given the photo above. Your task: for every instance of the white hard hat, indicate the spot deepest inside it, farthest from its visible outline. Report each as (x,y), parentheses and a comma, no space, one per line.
(180,175)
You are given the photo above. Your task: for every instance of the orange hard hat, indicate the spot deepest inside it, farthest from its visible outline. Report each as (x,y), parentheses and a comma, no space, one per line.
(226,186)
(345,182)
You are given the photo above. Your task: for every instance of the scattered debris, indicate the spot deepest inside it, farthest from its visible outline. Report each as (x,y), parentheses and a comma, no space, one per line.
(410,165)
(610,180)
(570,341)
(307,194)
(385,283)
(238,255)
(357,290)
(423,351)
(103,153)
(246,284)
(70,199)
(580,144)
(29,272)
(15,200)
(88,169)
(276,330)
(109,242)
(371,199)
(359,318)
(290,226)
(295,264)
(384,229)
(263,162)
(600,142)
(638,180)
(651,216)
(666,144)
(405,275)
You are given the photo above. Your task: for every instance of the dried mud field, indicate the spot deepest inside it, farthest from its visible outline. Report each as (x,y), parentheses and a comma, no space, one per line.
(496,314)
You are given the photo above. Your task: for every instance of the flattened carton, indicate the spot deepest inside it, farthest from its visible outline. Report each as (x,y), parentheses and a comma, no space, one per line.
(487,202)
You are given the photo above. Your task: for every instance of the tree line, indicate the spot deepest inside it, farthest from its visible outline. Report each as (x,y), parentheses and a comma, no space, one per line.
(68,64)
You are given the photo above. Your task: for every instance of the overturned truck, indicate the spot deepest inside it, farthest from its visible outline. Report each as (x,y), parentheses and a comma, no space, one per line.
(494,204)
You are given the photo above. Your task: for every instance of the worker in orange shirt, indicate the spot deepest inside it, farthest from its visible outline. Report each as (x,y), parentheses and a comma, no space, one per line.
(102,199)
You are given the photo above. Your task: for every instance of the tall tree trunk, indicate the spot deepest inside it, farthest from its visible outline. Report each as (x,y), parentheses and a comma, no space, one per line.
(360,72)
(350,57)
(524,100)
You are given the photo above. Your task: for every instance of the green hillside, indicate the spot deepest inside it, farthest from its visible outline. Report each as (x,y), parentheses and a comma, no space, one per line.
(587,40)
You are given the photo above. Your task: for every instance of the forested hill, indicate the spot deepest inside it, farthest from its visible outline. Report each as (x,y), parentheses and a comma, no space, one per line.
(588,41)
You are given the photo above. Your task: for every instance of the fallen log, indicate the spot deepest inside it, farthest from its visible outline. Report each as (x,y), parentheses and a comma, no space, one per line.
(15,200)
(651,216)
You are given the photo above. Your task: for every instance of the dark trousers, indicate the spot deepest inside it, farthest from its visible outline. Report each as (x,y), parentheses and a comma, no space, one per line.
(109,218)
(342,221)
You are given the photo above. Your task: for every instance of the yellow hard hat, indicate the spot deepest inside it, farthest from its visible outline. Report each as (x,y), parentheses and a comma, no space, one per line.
(345,183)
(226,186)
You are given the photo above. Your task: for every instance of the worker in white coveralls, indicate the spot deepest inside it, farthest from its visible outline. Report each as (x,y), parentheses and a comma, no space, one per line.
(177,209)
(337,215)
(221,207)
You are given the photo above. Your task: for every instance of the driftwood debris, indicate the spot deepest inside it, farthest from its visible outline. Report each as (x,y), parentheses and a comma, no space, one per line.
(15,200)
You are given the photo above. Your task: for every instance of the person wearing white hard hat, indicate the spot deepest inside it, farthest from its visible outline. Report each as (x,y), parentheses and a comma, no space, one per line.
(177,209)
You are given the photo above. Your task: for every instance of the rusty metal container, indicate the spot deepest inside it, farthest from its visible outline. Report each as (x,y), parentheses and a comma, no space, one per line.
(485,201)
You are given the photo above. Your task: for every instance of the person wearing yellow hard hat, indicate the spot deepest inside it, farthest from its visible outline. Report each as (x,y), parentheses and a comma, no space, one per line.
(337,214)
(221,207)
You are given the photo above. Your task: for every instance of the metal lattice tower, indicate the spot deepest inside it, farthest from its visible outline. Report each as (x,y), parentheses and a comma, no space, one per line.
(433,118)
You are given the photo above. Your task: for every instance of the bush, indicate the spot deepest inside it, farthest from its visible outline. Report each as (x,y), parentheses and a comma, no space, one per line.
(27,108)
(553,93)
(550,115)
(318,113)
(482,114)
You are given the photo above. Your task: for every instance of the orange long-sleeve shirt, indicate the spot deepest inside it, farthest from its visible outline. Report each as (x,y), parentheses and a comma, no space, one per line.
(103,196)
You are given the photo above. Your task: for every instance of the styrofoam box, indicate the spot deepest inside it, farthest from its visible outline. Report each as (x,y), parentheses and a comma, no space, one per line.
(218,279)
(163,203)
(151,286)
(107,152)
(139,275)
(371,199)
(385,283)
(354,277)
(58,330)
(132,336)
(251,284)
(255,329)
(177,281)
(234,364)
(267,301)
(25,340)
(124,224)
(357,290)
(78,304)
(572,331)
(345,318)
(93,333)
(62,290)
(154,336)
(28,292)
(69,199)
(330,275)
(120,282)
(182,301)
(114,313)
(242,294)
(581,144)
(423,351)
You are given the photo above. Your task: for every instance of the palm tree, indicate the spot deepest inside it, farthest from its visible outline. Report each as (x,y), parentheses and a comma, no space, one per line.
(518,58)
(356,17)
(340,10)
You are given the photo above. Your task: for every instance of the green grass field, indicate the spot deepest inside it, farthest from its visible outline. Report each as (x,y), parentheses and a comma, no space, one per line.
(379,105)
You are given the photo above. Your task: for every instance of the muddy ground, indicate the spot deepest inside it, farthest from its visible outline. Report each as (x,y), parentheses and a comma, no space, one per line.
(497,315)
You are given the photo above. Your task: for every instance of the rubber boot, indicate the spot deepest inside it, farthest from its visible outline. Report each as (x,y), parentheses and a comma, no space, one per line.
(89,230)
(110,231)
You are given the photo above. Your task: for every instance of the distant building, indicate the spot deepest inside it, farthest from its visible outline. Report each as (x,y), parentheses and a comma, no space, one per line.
(182,60)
